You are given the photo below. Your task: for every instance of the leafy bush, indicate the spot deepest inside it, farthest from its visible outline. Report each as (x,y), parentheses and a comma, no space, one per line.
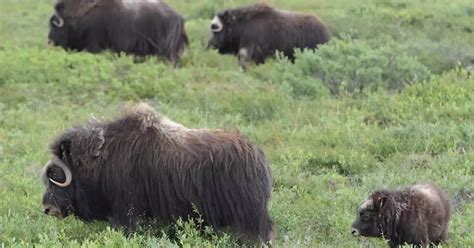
(348,66)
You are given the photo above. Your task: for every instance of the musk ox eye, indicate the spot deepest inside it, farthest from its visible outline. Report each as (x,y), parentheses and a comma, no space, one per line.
(364,216)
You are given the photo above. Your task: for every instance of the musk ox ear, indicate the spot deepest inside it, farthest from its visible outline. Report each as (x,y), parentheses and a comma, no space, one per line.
(225,16)
(86,148)
(79,145)
(95,141)
(61,148)
(59,6)
(379,198)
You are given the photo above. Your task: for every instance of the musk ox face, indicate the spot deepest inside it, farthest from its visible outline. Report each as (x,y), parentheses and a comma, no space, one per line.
(58,34)
(219,32)
(57,198)
(369,216)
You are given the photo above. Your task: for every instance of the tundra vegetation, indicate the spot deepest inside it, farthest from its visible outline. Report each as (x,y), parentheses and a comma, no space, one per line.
(386,102)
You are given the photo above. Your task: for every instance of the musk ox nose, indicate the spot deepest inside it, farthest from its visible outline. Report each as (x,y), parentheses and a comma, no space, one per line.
(355,232)
(214,26)
(210,46)
(46,210)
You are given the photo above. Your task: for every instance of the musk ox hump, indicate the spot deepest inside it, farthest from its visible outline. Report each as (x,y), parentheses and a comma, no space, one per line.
(425,190)
(142,112)
(77,8)
(145,114)
(132,4)
(240,14)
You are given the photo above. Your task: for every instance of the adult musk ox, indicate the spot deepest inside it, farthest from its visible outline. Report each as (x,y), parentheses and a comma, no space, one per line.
(255,32)
(417,215)
(139,27)
(144,166)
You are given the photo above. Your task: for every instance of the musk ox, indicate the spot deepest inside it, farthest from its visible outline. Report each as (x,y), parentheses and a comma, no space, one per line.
(417,215)
(139,27)
(255,32)
(144,166)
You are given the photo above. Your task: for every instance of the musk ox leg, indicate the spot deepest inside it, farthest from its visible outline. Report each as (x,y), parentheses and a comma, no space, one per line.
(271,235)
(93,47)
(244,58)
(126,218)
(443,237)
(393,244)
(264,233)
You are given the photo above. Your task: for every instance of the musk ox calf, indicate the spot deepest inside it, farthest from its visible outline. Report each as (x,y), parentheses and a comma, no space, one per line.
(255,32)
(144,166)
(417,215)
(147,27)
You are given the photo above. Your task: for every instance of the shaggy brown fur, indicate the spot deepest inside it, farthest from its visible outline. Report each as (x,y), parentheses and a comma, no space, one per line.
(417,215)
(258,31)
(135,27)
(146,166)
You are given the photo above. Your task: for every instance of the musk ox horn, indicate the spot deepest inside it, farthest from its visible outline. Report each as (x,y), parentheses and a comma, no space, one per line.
(64,168)
(216,25)
(58,21)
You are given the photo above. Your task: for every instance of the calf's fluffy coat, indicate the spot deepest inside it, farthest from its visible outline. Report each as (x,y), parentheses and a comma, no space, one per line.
(417,215)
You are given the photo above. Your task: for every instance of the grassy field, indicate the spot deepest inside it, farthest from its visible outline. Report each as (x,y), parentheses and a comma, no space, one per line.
(385,104)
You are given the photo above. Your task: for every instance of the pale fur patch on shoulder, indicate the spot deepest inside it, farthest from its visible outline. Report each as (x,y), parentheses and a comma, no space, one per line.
(140,1)
(169,125)
(140,109)
(427,190)
(142,112)
(165,126)
(131,4)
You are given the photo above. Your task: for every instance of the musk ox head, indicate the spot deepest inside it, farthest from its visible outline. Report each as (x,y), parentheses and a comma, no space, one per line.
(57,178)
(220,38)
(370,215)
(67,176)
(57,35)
(65,13)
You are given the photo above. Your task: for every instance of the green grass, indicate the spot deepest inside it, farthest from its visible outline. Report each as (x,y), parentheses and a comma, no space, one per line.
(329,142)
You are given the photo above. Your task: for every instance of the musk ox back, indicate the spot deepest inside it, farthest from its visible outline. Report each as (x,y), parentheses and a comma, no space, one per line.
(144,166)
(417,215)
(258,31)
(148,27)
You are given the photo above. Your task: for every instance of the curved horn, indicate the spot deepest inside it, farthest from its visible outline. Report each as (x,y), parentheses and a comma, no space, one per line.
(60,21)
(65,169)
(216,25)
